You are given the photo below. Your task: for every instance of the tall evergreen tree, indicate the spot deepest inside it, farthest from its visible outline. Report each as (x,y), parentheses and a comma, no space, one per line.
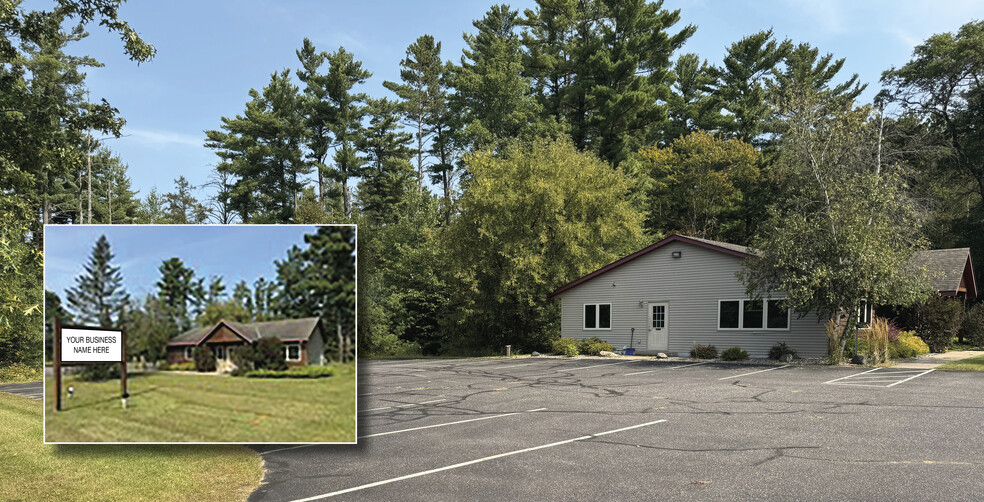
(317,110)
(494,99)
(112,200)
(263,150)
(182,207)
(98,296)
(422,93)
(348,110)
(323,276)
(740,84)
(604,68)
(691,105)
(804,67)
(388,175)
(153,209)
(179,291)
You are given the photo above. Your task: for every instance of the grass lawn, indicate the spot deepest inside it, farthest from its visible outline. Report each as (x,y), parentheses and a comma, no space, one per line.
(191,408)
(32,470)
(969,364)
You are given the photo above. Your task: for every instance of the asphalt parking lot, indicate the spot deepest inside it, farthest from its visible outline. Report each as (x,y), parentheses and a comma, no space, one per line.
(32,390)
(594,429)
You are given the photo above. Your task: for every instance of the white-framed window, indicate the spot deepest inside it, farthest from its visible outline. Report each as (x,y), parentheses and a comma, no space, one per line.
(864,314)
(659,316)
(597,316)
(188,352)
(220,352)
(292,351)
(747,314)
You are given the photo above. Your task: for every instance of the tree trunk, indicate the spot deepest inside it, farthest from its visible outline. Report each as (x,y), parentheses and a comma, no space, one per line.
(347,205)
(341,341)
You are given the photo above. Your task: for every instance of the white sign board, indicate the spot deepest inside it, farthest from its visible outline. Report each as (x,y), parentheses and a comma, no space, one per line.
(96,345)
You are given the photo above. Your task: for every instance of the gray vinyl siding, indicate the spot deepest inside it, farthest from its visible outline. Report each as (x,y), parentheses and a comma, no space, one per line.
(691,285)
(316,348)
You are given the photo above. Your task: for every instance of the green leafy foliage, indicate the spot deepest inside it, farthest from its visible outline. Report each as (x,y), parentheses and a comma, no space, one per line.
(908,345)
(780,349)
(593,346)
(937,321)
(699,351)
(21,330)
(734,354)
(972,328)
(533,218)
(99,372)
(300,372)
(566,347)
(98,297)
(204,359)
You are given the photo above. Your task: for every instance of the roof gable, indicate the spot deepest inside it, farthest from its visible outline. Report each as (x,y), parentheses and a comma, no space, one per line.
(286,329)
(951,269)
(720,247)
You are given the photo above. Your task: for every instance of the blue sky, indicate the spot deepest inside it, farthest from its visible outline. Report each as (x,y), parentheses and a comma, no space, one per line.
(210,53)
(238,252)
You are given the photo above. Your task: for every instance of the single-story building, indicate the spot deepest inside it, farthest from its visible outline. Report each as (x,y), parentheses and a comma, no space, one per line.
(303,340)
(683,291)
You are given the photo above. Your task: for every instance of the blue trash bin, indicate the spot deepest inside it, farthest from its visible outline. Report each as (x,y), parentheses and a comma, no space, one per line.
(630,351)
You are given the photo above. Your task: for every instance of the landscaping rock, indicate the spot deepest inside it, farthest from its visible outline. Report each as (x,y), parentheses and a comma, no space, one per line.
(661,356)
(535,354)
(788,358)
(858,359)
(607,353)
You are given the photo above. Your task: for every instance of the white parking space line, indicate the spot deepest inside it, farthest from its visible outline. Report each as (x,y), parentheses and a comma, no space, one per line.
(752,373)
(910,378)
(403,405)
(470,462)
(849,376)
(673,368)
(510,366)
(449,423)
(594,366)
(378,434)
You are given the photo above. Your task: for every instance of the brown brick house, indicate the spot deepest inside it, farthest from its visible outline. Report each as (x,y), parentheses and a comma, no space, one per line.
(303,340)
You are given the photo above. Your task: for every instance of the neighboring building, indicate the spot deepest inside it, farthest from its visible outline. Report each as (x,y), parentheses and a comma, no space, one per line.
(682,291)
(303,340)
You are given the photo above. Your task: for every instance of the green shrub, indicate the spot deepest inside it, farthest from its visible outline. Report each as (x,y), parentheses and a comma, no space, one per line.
(98,372)
(908,345)
(242,358)
(204,359)
(268,354)
(781,349)
(186,366)
(298,372)
(566,347)
(593,346)
(703,351)
(734,354)
(937,321)
(20,372)
(390,345)
(972,329)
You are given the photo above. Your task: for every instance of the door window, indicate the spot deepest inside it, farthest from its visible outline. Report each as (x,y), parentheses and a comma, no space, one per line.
(659,316)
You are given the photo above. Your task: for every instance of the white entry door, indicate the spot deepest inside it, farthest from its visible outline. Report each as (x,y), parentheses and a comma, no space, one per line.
(658,326)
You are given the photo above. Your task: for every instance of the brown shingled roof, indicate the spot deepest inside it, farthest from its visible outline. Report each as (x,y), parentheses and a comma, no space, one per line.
(287,329)
(948,268)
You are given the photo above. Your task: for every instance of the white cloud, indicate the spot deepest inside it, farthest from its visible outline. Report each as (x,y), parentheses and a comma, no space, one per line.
(161,138)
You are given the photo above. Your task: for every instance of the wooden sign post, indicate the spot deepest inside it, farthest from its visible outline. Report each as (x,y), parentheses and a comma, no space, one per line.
(85,345)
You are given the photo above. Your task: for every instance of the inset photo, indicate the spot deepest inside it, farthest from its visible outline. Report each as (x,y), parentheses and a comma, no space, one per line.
(200,334)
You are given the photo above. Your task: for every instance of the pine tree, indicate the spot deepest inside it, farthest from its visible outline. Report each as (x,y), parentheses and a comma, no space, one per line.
(152,209)
(262,149)
(691,106)
(804,67)
(182,207)
(179,291)
(98,296)
(740,84)
(242,295)
(317,110)
(348,110)
(603,67)
(388,175)
(422,93)
(493,98)
(112,200)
